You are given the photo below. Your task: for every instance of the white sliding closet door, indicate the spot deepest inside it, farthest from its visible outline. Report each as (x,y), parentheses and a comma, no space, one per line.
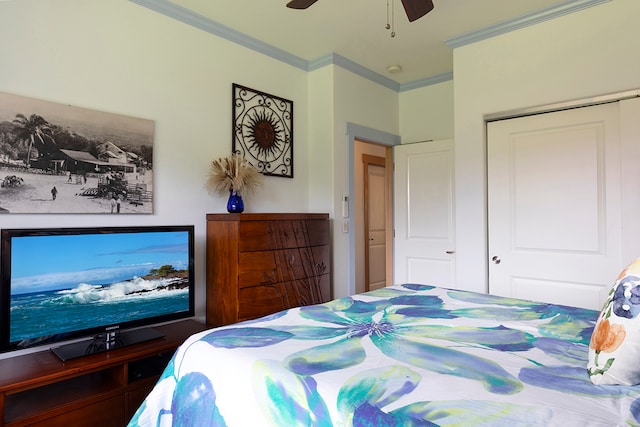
(556,205)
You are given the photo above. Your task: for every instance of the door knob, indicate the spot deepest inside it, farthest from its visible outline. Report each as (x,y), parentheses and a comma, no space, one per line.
(496,259)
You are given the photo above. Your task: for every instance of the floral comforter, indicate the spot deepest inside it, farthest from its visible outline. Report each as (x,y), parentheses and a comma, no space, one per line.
(409,355)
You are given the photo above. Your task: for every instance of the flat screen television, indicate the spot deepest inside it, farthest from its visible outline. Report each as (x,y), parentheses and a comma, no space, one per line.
(109,284)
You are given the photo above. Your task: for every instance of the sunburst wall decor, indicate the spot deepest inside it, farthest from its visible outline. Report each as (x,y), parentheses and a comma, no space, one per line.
(263,130)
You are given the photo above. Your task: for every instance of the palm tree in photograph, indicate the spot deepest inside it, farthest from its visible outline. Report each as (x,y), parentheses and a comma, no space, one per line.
(33,130)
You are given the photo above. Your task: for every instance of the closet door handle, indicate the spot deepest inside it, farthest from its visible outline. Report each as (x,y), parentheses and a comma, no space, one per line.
(451,252)
(496,259)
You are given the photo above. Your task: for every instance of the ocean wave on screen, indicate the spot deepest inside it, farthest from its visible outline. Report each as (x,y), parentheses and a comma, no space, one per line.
(129,289)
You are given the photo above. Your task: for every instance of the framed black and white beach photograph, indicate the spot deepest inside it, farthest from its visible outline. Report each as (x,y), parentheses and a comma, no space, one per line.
(263,130)
(57,158)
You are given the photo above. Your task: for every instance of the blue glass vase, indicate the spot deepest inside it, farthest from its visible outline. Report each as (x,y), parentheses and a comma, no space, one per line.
(235,203)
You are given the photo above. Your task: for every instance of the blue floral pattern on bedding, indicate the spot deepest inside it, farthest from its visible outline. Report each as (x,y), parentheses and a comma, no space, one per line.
(410,355)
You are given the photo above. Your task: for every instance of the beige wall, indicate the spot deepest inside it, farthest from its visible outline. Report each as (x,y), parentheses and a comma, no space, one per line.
(427,113)
(118,57)
(581,55)
(369,105)
(338,97)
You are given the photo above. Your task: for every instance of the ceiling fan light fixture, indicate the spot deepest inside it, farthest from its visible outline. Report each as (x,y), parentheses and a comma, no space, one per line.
(394,69)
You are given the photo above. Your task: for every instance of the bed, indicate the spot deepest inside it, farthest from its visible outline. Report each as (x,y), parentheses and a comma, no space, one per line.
(406,355)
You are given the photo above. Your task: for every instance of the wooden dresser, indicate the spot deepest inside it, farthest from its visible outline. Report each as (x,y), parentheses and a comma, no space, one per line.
(258,264)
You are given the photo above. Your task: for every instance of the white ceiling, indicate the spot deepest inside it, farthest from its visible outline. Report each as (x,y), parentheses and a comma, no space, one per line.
(355,29)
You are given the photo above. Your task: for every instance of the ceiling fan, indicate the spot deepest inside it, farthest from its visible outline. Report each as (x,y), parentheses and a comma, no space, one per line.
(414,8)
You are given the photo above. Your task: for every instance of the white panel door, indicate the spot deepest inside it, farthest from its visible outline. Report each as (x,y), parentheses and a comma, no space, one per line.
(554,205)
(377,222)
(424,248)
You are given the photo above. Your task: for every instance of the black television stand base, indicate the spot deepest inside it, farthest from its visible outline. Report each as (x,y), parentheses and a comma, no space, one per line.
(105,342)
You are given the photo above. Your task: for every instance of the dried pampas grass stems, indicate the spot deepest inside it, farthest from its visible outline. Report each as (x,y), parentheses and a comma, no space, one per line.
(233,173)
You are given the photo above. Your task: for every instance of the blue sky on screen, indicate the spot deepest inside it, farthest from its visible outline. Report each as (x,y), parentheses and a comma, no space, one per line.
(44,263)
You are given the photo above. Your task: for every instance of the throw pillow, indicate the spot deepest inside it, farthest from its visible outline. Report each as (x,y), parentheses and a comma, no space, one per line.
(614,350)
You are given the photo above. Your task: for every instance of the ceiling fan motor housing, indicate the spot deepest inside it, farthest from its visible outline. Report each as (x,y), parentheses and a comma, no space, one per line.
(415,9)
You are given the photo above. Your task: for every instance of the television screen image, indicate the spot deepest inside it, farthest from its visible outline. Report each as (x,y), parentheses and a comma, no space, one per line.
(64,283)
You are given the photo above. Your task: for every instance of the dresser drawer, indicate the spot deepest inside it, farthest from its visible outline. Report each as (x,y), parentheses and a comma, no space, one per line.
(266,299)
(284,265)
(269,235)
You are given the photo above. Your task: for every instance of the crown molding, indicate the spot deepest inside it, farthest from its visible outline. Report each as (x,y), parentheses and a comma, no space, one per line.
(196,20)
(179,13)
(364,72)
(440,78)
(523,21)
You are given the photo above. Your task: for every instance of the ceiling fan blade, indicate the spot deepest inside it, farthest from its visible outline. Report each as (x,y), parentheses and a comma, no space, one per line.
(300,4)
(417,8)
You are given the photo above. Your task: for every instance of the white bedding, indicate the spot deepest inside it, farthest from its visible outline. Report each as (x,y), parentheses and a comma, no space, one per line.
(410,355)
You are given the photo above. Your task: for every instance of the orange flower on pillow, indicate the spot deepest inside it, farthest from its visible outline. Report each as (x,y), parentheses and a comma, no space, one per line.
(607,337)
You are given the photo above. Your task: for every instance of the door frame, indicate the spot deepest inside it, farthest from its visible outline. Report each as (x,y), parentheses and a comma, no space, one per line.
(357,132)
(549,108)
